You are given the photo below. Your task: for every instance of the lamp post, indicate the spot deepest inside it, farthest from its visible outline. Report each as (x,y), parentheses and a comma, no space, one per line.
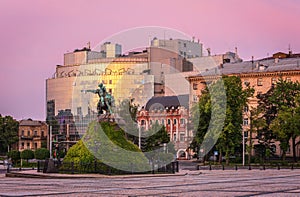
(50,141)
(243,147)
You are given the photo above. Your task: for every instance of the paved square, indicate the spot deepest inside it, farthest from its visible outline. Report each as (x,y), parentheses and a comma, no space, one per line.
(208,183)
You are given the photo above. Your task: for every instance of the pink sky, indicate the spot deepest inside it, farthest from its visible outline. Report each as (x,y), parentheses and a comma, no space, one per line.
(35,35)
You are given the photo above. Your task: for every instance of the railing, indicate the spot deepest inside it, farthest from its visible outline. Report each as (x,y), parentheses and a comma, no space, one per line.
(277,166)
(101,168)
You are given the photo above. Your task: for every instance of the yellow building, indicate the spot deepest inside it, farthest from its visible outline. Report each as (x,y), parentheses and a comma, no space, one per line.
(32,134)
(259,74)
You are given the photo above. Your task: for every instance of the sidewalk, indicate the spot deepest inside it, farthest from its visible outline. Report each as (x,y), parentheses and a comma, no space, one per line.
(35,174)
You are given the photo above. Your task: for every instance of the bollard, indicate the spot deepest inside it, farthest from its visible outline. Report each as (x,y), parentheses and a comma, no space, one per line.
(173,167)
(7,169)
(292,167)
(264,167)
(38,166)
(249,168)
(278,166)
(177,166)
(72,167)
(153,167)
(223,167)
(95,166)
(209,166)
(236,168)
(198,167)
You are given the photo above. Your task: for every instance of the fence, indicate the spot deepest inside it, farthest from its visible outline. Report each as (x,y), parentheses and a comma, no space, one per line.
(101,168)
(249,167)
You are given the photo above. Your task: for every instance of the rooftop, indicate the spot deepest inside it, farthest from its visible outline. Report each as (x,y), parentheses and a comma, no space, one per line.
(168,101)
(258,66)
(30,122)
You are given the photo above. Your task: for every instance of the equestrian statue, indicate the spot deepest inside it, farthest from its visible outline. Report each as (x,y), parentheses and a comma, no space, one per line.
(105,103)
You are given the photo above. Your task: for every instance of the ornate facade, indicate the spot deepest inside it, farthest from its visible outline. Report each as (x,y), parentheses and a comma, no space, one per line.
(33,134)
(171,112)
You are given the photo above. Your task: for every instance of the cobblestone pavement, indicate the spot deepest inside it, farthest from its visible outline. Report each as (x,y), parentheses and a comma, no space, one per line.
(208,183)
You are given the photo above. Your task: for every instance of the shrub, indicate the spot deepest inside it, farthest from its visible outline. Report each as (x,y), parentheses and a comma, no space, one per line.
(27,154)
(14,155)
(42,153)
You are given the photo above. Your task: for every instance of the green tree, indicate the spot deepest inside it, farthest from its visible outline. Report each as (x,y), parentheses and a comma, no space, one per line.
(14,155)
(79,153)
(8,132)
(157,145)
(280,106)
(211,101)
(201,115)
(27,154)
(257,123)
(236,99)
(158,136)
(127,111)
(42,153)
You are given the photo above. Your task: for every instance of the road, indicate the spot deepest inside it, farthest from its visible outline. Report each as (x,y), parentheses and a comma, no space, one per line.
(206,183)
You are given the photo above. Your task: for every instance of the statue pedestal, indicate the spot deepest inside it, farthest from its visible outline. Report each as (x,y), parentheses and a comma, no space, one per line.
(106,118)
(50,166)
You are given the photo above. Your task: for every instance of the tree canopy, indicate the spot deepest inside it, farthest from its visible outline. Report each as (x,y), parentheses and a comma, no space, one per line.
(8,132)
(230,91)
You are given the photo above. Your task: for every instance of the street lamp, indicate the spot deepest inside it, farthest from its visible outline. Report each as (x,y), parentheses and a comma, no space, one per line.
(50,141)
(244,144)
(243,147)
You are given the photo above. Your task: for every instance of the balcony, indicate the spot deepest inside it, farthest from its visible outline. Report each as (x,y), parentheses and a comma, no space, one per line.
(26,137)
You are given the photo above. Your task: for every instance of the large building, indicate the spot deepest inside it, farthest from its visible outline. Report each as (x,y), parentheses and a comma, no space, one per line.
(260,74)
(138,75)
(33,134)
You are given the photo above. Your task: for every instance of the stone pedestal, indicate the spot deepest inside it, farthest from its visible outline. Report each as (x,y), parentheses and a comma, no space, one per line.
(50,166)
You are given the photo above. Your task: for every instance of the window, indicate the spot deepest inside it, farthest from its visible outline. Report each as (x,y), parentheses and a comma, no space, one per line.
(163,121)
(246,83)
(43,134)
(174,121)
(259,82)
(110,90)
(184,44)
(246,109)
(22,145)
(156,122)
(28,133)
(35,146)
(195,98)
(169,121)
(110,81)
(35,133)
(195,86)
(182,121)
(273,81)
(181,137)
(22,133)
(150,122)
(143,122)
(245,121)
(288,79)
(28,145)
(174,137)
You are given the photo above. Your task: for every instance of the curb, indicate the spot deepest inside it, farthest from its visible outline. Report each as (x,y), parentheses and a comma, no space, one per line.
(62,176)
